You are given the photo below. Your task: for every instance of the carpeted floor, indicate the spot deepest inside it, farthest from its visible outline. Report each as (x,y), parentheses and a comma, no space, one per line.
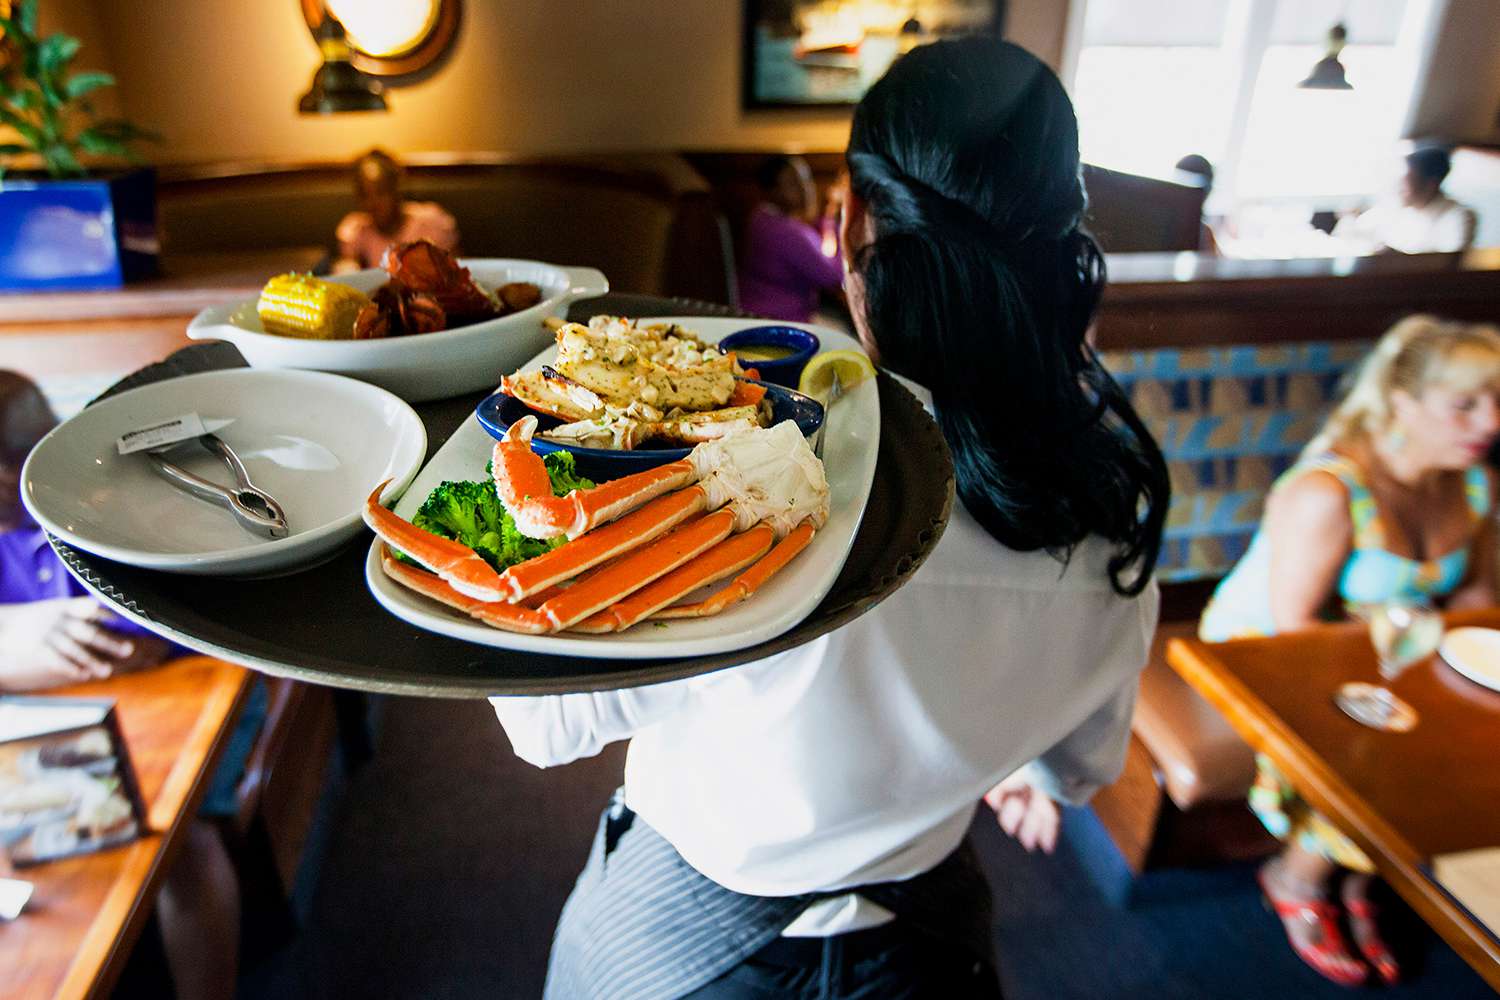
(447,861)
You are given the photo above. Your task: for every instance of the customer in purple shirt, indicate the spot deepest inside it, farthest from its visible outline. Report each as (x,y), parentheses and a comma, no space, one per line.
(783,267)
(51,633)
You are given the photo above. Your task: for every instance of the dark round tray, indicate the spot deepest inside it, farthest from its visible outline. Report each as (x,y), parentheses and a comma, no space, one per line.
(321,625)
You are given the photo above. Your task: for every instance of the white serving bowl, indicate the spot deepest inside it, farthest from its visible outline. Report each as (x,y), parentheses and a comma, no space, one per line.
(420,366)
(318,443)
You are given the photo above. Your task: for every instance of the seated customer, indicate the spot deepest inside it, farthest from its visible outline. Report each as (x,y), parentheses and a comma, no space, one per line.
(1196,171)
(384,218)
(1391,501)
(1421,220)
(784,266)
(51,634)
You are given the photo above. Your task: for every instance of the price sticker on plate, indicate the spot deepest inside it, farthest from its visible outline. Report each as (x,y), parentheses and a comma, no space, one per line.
(167,432)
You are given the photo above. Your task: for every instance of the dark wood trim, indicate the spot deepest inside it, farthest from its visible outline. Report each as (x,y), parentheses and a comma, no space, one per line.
(1192,300)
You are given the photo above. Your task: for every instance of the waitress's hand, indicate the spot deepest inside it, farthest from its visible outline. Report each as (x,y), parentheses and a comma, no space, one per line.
(45,644)
(1025,813)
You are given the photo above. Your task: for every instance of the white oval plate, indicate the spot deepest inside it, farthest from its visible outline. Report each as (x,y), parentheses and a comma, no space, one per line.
(318,443)
(422,366)
(851,443)
(1475,653)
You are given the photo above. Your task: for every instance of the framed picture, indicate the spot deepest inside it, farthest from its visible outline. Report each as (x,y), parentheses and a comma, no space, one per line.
(827,53)
(66,782)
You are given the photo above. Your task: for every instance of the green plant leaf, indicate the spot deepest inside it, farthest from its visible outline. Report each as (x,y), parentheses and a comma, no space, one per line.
(82,83)
(27,99)
(13,149)
(25,48)
(92,141)
(55,52)
(25,15)
(27,130)
(61,162)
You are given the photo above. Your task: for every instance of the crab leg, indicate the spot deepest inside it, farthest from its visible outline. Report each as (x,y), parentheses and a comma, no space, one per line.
(458,564)
(634,529)
(510,617)
(727,558)
(524,489)
(747,582)
(631,572)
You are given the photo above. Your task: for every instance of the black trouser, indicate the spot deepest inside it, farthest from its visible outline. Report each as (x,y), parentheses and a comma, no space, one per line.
(883,963)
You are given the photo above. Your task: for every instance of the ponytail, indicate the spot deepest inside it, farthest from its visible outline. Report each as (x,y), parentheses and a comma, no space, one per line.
(983,291)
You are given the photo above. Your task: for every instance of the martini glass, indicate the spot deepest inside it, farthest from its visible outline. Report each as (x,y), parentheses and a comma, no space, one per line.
(1403,633)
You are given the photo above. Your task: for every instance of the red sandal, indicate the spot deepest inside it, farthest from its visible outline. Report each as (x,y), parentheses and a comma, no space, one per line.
(1329,956)
(1370,943)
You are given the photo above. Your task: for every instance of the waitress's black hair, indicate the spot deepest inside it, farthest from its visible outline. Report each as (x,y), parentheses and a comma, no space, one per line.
(980,284)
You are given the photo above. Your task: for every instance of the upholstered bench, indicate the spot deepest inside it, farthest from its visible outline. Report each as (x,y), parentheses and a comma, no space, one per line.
(1229,420)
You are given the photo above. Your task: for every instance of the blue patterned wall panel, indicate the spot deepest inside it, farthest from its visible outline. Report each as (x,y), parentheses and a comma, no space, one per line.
(1230,420)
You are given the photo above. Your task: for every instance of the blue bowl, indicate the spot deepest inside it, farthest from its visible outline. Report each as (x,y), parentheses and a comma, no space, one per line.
(499,411)
(782,371)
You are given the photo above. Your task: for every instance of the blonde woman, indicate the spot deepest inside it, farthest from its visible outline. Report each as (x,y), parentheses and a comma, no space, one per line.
(1390,501)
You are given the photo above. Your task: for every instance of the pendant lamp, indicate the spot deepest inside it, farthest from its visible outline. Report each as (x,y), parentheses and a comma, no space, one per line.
(1328,72)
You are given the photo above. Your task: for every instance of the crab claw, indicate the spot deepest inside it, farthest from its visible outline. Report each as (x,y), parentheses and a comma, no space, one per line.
(525,491)
(458,564)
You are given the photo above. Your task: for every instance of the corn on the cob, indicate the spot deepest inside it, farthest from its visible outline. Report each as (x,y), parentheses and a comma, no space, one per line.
(299,305)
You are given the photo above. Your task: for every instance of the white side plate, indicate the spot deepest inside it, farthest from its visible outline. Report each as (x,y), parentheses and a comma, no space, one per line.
(318,443)
(1475,653)
(851,444)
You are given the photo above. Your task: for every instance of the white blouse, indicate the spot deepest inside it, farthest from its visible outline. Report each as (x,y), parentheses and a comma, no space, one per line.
(859,757)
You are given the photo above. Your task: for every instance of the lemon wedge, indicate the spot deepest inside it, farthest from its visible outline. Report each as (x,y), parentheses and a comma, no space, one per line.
(852,368)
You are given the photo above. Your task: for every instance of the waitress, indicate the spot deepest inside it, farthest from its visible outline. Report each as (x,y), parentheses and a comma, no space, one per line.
(796,827)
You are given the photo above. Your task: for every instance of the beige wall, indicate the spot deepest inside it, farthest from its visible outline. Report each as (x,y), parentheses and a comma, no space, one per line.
(220,79)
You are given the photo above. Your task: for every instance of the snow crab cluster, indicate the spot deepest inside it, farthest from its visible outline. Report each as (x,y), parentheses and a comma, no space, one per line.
(741,506)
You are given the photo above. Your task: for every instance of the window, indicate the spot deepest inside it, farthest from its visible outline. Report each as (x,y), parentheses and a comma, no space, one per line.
(1155,80)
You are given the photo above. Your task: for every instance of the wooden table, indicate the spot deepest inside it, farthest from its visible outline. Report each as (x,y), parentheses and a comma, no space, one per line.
(1402,797)
(77,931)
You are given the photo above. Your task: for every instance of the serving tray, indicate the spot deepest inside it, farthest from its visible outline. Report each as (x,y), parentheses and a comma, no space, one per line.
(323,626)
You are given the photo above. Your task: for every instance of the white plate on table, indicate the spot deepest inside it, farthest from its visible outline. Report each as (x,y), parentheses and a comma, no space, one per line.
(1475,653)
(319,443)
(420,366)
(850,447)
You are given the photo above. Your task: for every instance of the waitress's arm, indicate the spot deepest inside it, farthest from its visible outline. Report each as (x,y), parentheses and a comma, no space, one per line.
(557,729)
(1089,757)
(1308,528)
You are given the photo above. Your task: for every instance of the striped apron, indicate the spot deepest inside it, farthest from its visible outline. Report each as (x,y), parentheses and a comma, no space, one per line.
(643,924)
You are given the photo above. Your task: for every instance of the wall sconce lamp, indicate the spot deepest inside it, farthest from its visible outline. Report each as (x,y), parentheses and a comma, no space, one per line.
(338,86)
(379,44)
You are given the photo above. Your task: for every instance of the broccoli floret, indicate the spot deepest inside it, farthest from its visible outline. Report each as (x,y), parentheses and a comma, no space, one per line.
(461,511)
(564,475)
(470,513)
(467,512)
